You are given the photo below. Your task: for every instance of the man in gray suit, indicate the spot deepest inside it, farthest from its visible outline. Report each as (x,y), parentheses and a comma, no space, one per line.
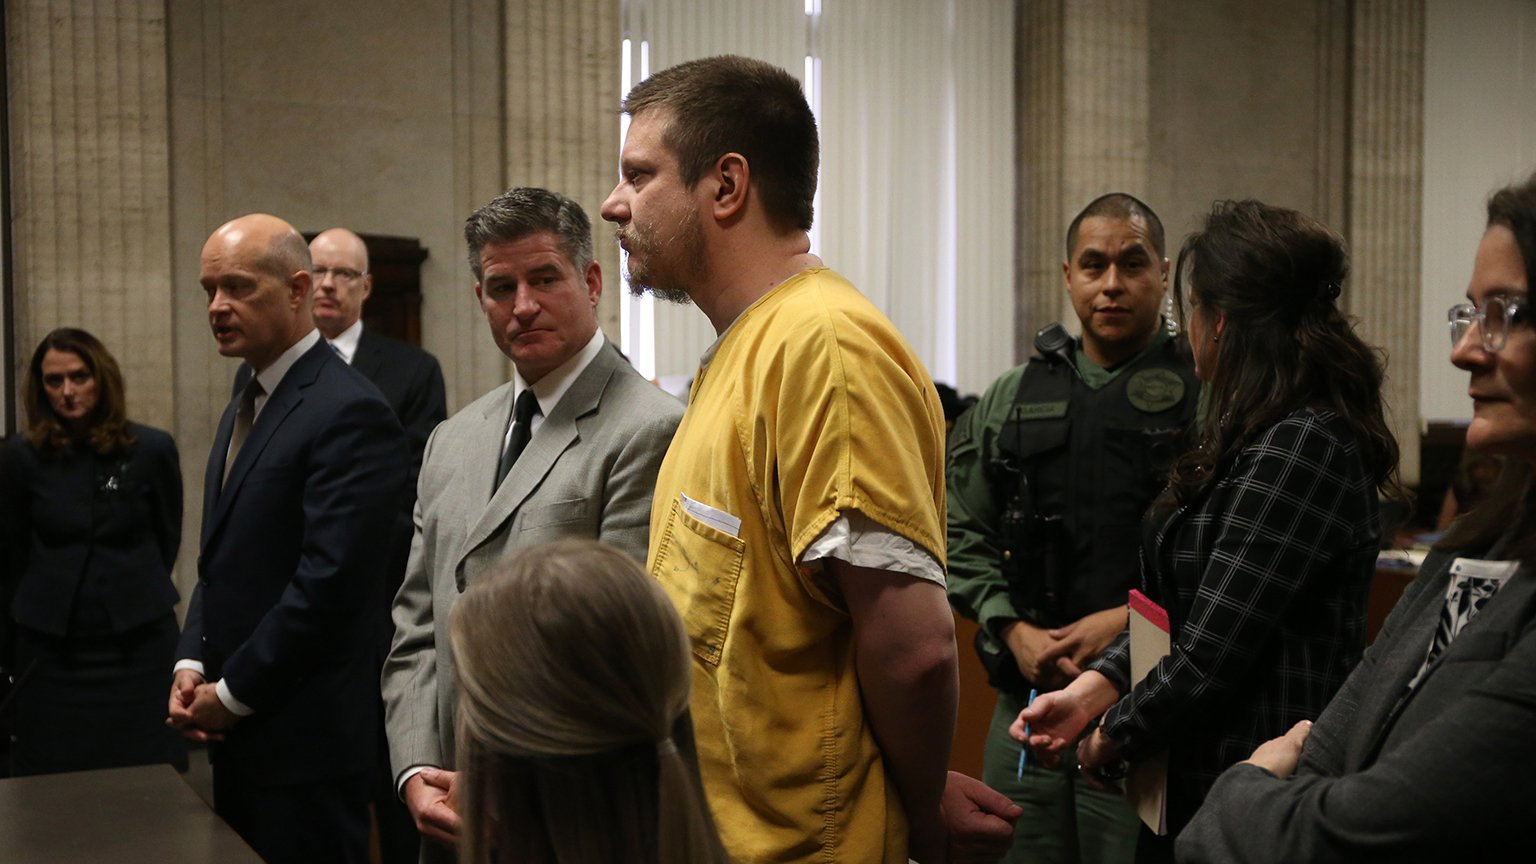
(575,453)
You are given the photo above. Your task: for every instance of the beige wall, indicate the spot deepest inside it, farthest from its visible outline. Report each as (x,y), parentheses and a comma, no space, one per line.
(1479,134)
(398,117)
(384,116)
(303,110)
(1183,103)
(387,116)
(1247,101)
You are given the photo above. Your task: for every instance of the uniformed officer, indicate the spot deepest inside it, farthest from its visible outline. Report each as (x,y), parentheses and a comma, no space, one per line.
(1049,476)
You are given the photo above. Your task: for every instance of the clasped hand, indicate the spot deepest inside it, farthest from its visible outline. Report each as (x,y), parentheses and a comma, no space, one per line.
(196,710)
(1051,658)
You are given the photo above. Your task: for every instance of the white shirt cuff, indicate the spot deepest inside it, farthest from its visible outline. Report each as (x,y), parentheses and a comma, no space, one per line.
(406,775)
(235,706)
(194,665)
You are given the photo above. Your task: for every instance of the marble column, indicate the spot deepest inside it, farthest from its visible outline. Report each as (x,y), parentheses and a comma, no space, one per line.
(1083,130)
(562,123)
(1386,200)
(90,185)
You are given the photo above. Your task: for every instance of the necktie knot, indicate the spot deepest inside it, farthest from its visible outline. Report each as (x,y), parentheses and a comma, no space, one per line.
(527,405)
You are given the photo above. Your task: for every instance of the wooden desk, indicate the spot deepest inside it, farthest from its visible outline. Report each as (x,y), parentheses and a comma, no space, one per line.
(123,815)
(977,700)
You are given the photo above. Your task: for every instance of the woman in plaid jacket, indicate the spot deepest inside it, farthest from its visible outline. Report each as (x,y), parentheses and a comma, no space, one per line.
(1426,752)
(1263,546)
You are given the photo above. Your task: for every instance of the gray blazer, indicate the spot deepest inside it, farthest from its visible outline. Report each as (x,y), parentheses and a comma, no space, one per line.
(589,471)
(1445,775)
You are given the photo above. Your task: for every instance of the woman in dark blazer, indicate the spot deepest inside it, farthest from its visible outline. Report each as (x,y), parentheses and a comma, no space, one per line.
(91,509)
(1426,753)
(1263,546)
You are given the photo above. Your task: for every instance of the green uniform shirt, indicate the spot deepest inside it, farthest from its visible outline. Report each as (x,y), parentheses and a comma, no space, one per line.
(977,588)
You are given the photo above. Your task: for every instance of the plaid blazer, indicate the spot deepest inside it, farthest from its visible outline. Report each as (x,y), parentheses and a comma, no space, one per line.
(1265,578)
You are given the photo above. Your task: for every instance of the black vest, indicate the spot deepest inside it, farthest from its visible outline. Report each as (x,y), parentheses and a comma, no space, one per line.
(1075,472)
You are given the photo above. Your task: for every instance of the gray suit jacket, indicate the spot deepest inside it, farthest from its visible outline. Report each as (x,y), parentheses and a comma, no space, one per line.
(1444,775)
(589,471)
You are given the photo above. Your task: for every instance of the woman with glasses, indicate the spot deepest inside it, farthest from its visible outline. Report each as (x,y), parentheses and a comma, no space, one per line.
(1263,546)
(1427,752)
(90,508)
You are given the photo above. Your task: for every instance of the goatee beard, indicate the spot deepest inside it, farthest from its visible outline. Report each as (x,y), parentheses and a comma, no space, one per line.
(647,245)
(670,295)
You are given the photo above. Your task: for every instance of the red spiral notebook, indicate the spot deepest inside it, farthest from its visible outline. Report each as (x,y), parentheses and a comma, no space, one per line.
(1146,785)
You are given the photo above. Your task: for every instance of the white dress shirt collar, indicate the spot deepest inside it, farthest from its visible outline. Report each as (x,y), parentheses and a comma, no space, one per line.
(271,376)
(551,388)
(345,342)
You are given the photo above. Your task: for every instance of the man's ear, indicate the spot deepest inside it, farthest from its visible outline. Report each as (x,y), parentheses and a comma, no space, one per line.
(298,289)
(731,177)
(594,281)
(367,286)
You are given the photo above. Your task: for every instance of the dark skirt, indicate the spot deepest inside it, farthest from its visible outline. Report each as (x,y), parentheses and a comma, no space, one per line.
(81,703)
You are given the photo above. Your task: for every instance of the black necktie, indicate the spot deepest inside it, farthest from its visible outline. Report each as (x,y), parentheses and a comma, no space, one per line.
(522,429)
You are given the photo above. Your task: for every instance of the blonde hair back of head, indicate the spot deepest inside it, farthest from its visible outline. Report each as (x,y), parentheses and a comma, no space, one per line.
(573,674)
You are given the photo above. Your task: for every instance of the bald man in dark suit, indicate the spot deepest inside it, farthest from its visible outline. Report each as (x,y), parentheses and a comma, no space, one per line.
(304,476)
(412,383)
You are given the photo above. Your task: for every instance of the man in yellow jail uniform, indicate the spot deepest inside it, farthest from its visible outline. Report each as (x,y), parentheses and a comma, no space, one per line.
(798,518)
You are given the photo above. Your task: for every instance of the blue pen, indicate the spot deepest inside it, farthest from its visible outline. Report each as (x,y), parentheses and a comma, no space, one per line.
(1024,748)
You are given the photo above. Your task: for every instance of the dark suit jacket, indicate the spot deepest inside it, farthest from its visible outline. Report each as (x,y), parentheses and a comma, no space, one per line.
(1444,776)
(412,384)
(86,528)
(411,381)
(290,553)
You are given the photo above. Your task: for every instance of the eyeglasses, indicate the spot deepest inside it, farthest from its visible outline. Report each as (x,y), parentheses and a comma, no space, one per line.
(1494,317)
(342,274)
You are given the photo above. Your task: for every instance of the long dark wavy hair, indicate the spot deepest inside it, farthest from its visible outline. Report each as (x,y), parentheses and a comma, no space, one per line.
(1276,274)
(106,430)
(1509,509)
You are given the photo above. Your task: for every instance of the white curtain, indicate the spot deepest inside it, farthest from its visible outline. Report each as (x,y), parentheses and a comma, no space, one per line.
(916,108)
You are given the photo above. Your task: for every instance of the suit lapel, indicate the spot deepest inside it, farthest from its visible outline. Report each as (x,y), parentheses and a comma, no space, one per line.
(215,472)
(1503,613)
(288,396)
(1374,716)
(368,359)
(556,434)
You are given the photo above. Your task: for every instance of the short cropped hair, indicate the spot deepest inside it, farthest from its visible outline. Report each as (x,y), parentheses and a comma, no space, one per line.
(729,104)
(286,255)
(524,210)
(1119,205)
